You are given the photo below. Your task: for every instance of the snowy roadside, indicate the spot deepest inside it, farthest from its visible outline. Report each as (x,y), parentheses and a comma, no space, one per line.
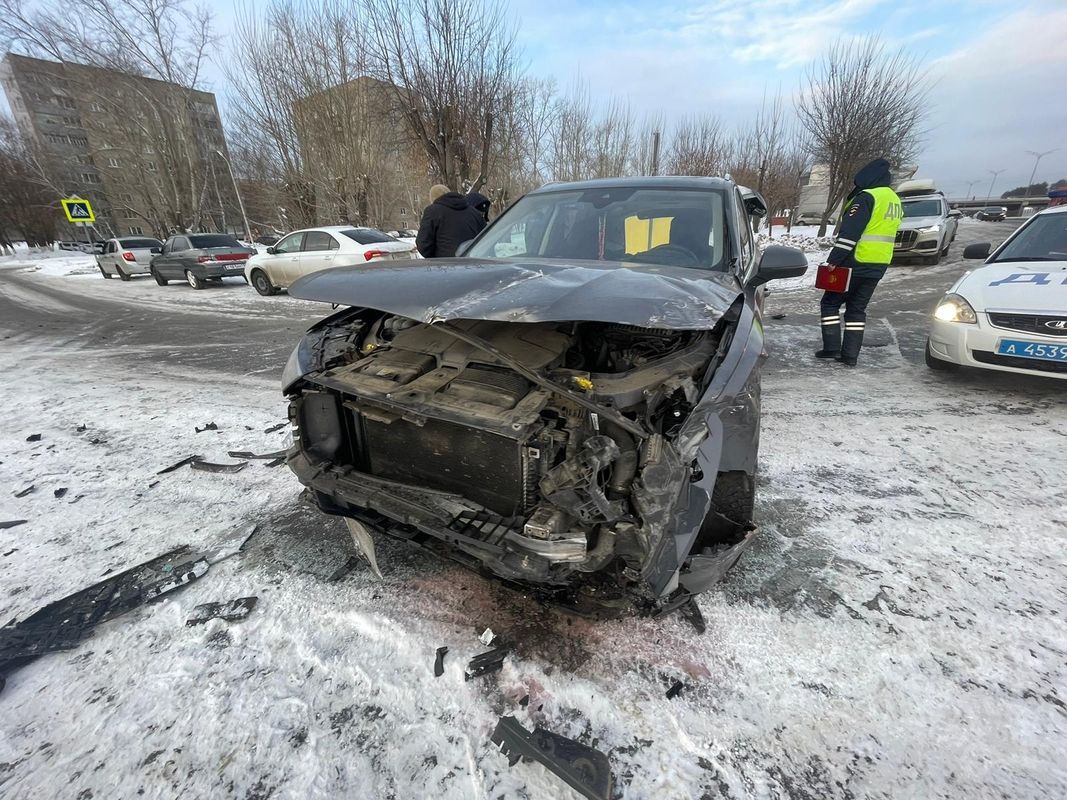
(897,630)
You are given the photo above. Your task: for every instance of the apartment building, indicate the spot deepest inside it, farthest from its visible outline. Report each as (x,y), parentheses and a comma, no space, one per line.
(148,154)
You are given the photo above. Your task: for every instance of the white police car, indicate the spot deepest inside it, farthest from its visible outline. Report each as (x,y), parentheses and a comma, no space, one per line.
(1011,313)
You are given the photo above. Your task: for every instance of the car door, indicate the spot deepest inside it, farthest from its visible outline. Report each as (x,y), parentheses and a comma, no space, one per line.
(106,260)
(159,263)
(179,257)
(281,263)
(317,253)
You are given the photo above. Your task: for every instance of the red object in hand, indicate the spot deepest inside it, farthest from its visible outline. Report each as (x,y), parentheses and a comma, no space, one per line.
(833,279)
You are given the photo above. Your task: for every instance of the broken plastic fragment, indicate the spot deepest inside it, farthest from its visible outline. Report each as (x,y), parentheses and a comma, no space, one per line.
(211,426)
(232,611)
(58,493)
(439,662)
(209,466)
(487,636)
(691,612)
(264,456)
(484,663)
(584,769)
(33,437)
(274,428)
(26,491)
(361,538)
(675,690)
(180,463)
(11,523)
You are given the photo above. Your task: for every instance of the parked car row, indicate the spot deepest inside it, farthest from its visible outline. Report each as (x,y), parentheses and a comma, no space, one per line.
(201,258)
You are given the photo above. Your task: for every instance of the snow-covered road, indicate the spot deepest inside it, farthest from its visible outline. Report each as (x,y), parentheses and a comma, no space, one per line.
(897,631)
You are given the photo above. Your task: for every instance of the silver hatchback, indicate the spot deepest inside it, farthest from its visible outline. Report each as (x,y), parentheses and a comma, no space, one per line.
(128,256)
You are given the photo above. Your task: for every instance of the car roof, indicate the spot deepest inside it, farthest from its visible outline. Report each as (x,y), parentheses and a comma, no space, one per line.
(643,182)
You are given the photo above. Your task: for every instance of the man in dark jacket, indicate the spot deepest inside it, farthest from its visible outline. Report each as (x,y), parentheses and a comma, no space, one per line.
(870,218)
(446,223)
(480,203)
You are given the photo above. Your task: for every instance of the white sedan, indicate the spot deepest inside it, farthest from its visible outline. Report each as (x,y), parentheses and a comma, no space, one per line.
(1011,313)
(313,249)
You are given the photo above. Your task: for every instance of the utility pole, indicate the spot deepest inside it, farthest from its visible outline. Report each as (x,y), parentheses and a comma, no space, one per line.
(994,173)
(969,185)
(1037,160)
(240,202)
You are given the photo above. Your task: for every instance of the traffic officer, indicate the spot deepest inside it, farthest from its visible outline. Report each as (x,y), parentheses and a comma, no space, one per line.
(865,237)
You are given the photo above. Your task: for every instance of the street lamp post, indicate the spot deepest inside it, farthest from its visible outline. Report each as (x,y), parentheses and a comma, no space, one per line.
(994,173)
(1037,160)
(969,185)
(240,202)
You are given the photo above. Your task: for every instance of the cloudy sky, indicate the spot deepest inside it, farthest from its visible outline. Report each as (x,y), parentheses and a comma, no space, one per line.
(998,66)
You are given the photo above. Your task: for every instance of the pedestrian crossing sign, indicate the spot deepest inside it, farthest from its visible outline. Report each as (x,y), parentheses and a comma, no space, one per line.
(78,210)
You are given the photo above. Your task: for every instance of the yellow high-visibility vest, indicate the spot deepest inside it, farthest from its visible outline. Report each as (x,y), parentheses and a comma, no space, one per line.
(875,246)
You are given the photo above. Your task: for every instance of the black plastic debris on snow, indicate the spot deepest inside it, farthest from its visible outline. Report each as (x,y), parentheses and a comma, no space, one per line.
(484,663)
(26,491)
(439,662)
(11,523)
(208,466)
(233,611)
(675,690)
(274,428)
(584,769)
(33,437)
(58,493)
(276,462)
(180,463)
(692,613)
(211,426)
(62,625)
(248,454)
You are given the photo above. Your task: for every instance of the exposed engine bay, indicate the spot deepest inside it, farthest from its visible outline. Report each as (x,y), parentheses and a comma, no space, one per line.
(544,452)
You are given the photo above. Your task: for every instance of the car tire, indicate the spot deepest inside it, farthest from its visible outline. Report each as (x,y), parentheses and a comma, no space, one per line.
(122,275)
(194,281)
(159,279)
(104,272)
(937,364)
(261,283)
(734,497)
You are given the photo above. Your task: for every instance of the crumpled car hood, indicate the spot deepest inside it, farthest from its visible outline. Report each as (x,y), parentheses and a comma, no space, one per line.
(529,290)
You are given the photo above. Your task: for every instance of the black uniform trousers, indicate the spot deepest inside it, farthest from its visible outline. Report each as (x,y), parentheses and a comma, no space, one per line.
(855,300)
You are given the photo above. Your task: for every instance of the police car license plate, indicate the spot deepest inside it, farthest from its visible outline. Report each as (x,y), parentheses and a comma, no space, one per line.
(1043,352)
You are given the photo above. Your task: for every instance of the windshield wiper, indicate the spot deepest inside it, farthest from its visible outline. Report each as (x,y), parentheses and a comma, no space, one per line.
(534,377)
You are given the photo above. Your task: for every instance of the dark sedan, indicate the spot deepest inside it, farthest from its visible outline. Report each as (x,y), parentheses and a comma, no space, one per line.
(197,258)
(573,403)
(992,214)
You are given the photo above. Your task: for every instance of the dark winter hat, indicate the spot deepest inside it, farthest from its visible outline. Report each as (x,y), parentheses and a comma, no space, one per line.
(479,201)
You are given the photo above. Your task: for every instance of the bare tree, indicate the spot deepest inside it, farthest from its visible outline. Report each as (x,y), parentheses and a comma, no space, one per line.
(699,146)
(27,207)
(860,102)
(451,64)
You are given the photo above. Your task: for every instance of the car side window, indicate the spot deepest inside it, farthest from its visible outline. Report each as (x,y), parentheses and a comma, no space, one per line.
(290,244)
(316,241)
(112,246)
(180,243)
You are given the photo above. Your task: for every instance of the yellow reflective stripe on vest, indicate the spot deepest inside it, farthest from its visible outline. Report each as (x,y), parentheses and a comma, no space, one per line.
(875,246)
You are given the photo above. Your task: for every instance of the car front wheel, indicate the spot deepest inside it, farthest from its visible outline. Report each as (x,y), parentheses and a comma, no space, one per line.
(194,281)
(262,283)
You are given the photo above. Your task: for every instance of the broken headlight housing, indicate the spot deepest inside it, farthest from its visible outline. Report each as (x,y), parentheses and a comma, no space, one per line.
(954,308)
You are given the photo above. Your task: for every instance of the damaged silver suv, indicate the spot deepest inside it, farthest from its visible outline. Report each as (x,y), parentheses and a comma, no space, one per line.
(572,403)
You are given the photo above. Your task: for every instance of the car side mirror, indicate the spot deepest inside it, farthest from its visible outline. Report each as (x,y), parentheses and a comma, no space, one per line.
(755,205)
(464,247)
(779,262)
(156,251)
(980,250)
(271,251)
